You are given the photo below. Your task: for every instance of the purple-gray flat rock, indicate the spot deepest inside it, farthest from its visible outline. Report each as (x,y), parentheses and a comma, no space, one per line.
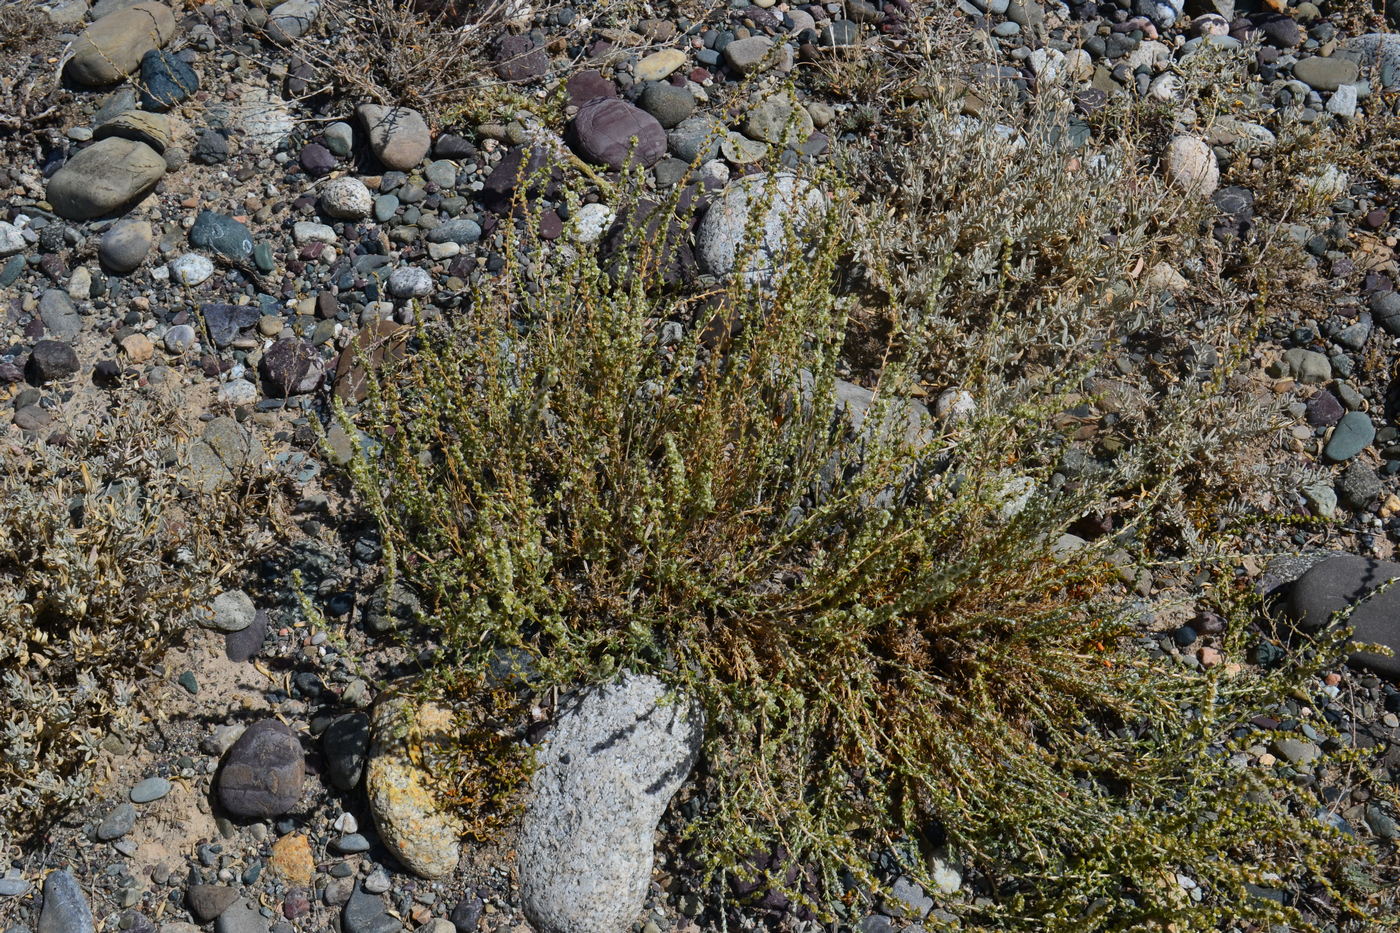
(263,773)
(225,321)
(604,130)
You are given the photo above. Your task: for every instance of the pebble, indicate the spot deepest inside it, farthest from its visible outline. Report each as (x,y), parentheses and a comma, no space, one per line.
(207,901)
(243,917)
(590,220)
(667,103)
(351,844)
(462,231)
(11,239)
(442,173)
(222,234)
(365,913)
(107,177)
(123,248)
(411,821)
(749,55)
(410,282)
(316,160)
(231,611)
(340,138)
(166,80)
(65,908)
(291,20)
(13,886)
(780,119)
(658,65)
(149,790)
(1191,166)
(179,338)
(385,206)
(398,136)
(344,745)
(51,361)
(59,314)
(697,138)
(290,367)
(1296,751)
(1325,74)
(377,881)
(113,46)
(117,823)
(721,233)
(263,772)
(608,131)
(347,199)
(305,231)
(1353,434)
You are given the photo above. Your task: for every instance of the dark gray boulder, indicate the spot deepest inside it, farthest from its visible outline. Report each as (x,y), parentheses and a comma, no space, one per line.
(1349,580)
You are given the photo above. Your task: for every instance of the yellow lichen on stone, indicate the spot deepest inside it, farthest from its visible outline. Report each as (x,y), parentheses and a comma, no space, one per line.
(291,859)
(412,824)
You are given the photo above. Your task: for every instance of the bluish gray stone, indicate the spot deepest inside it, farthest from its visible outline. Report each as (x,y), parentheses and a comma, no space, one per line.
(1367,585)
(223,235)
(117,823)
(151,789)
(165,80)
(344,745)
(65,908)
(242,917)
(385,206)
(59,314)
(463,231)
(365,913)
(1353,433)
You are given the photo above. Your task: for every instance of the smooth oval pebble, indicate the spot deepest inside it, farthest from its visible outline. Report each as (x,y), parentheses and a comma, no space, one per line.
(351,844)
(153,788)
(13,887)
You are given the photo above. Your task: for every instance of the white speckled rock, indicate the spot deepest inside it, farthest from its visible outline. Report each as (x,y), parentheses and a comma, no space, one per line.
(719,241)
(410,282)
(423,836)
(605,772)
(591,220)
(347,199)
(191,269)
(1190,166)
(11,239)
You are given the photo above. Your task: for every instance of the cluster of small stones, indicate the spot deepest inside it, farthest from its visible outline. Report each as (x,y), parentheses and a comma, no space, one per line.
(193,228)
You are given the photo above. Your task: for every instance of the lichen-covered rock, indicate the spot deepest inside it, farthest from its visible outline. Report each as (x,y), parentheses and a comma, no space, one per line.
(420,833)
(605,772)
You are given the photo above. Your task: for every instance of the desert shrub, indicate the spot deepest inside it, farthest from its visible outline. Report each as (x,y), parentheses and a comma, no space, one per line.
(432,55)
(595,468)
(102,556)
